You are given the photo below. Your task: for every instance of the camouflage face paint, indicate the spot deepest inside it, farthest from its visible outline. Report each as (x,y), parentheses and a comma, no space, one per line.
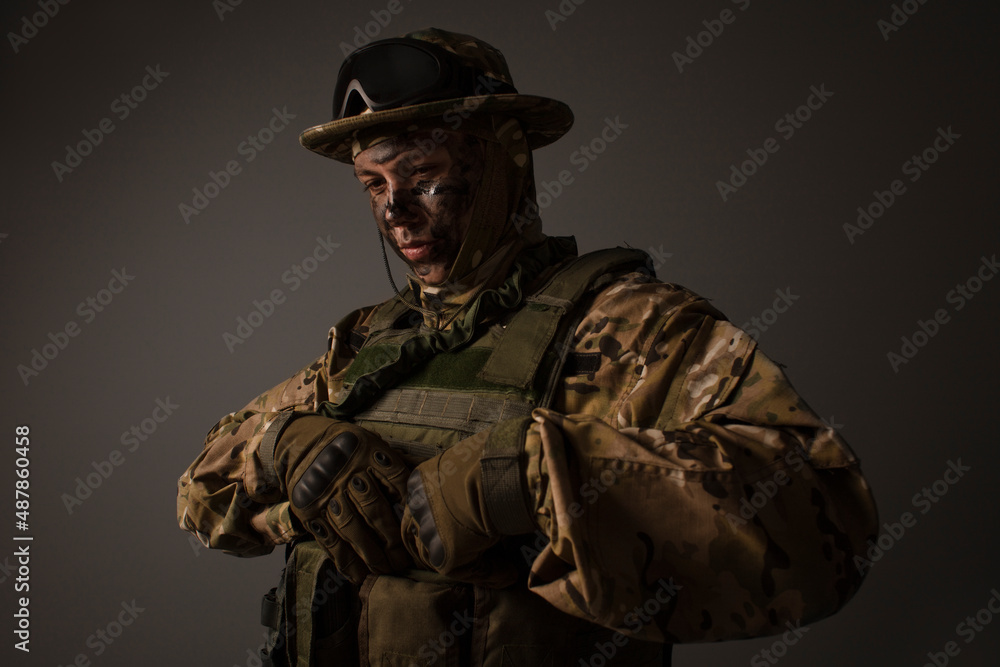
(421,196)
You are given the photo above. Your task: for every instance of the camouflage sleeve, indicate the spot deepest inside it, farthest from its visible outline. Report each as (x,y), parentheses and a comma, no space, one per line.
(707,501)
(230,497)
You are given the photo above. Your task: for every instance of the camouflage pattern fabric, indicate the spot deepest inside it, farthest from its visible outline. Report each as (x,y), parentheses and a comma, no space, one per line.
(545,120)
(686,459)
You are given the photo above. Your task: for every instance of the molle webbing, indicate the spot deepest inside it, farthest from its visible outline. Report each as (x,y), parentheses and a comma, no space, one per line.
(445,409)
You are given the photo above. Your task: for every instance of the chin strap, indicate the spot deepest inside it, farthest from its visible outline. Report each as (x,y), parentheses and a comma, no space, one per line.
(388,271)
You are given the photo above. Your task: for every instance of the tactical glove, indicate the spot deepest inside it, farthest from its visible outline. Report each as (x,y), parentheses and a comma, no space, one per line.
(345,484)
(463,501)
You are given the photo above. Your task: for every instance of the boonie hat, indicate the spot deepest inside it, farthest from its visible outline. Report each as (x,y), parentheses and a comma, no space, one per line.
(425,74)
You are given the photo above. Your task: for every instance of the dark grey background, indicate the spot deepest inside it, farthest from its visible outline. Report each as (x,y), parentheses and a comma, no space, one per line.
(654,187)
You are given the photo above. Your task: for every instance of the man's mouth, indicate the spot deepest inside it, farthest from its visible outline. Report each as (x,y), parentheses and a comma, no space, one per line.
(416,251)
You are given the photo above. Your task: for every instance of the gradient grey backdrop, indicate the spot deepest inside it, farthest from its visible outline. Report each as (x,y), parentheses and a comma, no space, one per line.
(654,187)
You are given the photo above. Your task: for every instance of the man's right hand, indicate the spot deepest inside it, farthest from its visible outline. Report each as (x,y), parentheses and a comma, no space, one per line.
(345,484)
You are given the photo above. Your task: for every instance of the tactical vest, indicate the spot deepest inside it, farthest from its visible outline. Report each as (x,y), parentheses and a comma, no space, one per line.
(421,408)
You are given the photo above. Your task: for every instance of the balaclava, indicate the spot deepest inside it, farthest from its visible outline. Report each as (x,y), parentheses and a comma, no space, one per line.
(504,216)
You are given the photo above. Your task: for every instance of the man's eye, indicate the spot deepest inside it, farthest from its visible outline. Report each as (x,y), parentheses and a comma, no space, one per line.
(372,186)
(419,169)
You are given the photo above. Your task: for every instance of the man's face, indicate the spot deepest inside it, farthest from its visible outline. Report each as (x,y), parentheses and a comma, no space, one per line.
(421,194)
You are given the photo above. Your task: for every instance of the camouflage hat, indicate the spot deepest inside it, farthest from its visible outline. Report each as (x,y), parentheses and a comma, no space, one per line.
(544,119)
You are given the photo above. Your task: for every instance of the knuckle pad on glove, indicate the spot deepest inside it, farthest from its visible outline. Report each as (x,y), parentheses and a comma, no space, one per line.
(319,474)
(423,517)
(346,442)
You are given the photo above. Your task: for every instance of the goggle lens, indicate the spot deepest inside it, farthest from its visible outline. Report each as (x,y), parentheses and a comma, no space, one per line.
(400,72)
(387,75)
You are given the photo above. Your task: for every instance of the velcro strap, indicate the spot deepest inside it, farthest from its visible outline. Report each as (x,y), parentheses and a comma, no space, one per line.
(267,444)
(503,481)
(582,363)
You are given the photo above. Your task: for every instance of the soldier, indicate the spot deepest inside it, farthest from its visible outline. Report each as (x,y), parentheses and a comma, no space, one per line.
(525,457)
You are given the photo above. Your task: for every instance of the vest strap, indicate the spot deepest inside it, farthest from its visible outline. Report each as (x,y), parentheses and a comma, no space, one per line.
(506,504)
(517,355)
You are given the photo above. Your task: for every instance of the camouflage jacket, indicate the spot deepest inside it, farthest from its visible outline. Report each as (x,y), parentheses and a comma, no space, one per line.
(682,471)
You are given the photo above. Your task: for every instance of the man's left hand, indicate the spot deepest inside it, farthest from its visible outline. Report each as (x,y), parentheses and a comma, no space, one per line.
(446,526)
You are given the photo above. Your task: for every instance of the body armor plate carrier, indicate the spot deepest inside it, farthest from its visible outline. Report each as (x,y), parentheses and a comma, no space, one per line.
(421,402)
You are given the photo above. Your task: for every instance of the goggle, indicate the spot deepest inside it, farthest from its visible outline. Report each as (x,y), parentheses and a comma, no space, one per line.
(401,72)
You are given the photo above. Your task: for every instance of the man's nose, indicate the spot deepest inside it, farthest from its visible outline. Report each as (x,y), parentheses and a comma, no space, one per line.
(399,208)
